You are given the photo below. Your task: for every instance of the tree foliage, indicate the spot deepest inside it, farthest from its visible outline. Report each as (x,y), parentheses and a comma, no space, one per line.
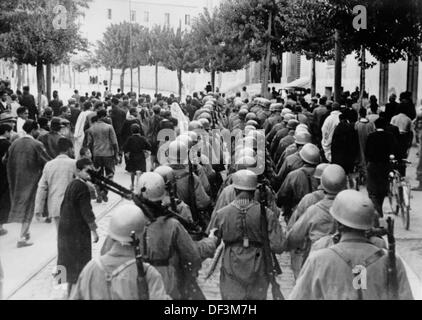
(32,37)
(217,50)
(180,54)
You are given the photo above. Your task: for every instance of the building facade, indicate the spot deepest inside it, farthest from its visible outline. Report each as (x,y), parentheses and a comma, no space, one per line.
(172,13)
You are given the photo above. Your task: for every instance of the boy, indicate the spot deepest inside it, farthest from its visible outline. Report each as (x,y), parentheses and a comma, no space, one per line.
(77,225)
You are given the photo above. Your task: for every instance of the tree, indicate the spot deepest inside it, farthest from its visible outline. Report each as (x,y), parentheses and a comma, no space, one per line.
(217,50)
(180,57)
(40,35)
(157,43)
(123,46)
(258,25)
(308,32)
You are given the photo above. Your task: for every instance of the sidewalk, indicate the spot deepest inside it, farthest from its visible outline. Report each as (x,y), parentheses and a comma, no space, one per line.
(21,265)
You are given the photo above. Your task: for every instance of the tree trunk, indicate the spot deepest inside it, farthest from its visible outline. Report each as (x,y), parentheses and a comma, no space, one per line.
(122,80)
(131,79)
(74,79)
(213,80)
(27,75)
(313,78)
(60,75)
(266,66)
(19,74)
(362,79)
(111,79)
(40,80)
(70,75)
(156,78)
(49,74)
(337,70)
(179,78)
(139,80)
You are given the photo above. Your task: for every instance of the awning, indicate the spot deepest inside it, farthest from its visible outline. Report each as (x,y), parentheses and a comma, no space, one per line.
(304,82)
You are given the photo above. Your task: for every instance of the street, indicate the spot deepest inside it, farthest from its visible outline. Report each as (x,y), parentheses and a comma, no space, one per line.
(28,271)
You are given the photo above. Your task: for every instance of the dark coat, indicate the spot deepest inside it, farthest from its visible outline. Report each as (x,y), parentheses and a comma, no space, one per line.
(27,158)
(4,185)
(118,117)
(136,145)
(74,234)
(345,146)
(28,101)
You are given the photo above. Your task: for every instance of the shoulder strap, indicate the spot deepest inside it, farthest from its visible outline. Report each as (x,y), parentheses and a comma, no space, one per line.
(309,179)
(367,262)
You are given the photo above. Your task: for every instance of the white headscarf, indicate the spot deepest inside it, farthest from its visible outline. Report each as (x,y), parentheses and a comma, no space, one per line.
(183,121)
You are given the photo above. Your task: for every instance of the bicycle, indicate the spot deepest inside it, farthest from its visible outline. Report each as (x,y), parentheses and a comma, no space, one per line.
(399,193)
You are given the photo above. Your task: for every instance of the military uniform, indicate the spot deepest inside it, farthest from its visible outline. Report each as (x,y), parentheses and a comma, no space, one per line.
(113,277)
(291,163)
(327,276)
(242,274)
(297,184)
(315,223)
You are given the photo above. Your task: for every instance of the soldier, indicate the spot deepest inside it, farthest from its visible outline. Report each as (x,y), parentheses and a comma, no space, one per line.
(167,244)
(293,161)
(242,274)
(328,273)
(113,276)
(317,222)
(275,109)
(285,141)
(300,182)
(207,246)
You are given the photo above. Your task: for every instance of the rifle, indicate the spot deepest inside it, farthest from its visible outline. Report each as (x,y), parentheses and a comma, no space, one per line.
(141,279)
(194,209)
(392,281)
(270,260)
(140,202)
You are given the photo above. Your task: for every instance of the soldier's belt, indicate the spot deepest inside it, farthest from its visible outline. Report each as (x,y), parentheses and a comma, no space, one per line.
(251,243)
(158,263)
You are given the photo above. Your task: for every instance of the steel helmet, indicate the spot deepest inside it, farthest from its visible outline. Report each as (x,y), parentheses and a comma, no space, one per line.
(249,128)
(244,152)
(205,115)
(319,169)
(353,209)
(245,162)
(208,107)
(292,124)
(183,138)
(302,137)
(249,142)
(252,123)
(288,117)
(276,107)
(333,179)
(166,172)
(178,151)
(193,137)
(243,112)
(302,126)
(238,103)
(205,123)
(124,220)
(151,186)
(194,125)
(310,154)
(245,180)
(286,111)
(251,116)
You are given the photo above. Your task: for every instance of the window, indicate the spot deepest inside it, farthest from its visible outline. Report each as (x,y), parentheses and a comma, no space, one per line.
(146,16)
(167,19)
(187,19)
(132,15)
(109,16)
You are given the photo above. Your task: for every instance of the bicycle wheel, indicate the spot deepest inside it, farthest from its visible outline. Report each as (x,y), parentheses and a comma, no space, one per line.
(405,205)
(393,198)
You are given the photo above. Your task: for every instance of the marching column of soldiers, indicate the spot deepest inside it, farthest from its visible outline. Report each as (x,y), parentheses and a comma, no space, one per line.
(236,181)
(263,191)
